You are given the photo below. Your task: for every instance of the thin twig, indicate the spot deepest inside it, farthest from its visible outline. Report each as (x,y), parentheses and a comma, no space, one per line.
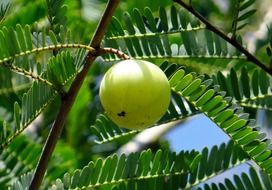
(69,98)
(234,42)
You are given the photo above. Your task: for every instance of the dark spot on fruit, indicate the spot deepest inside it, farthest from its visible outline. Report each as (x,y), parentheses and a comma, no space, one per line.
(122,114)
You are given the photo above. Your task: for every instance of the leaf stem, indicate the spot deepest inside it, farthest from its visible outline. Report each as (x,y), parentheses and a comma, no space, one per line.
(117,52)
(232,41)
(69,98)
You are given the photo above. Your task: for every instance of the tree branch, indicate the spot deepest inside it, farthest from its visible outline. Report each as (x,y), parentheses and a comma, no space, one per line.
(69,98)
(234,42)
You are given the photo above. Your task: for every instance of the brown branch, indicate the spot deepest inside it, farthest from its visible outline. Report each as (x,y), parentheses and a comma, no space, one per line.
(235,43)
(69,98)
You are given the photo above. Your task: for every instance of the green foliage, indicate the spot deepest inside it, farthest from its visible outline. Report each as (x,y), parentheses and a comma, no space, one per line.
(29,13)
(269,46)
(61,69)
(228,117)
(3,11)
(105,130)
(19,159)
(239,87)
(48,81)
(243,11)
(42,51)
(30,109)
(253,180)
(23,182)
(147,35)
(123,169)
(125,172)
(56,14)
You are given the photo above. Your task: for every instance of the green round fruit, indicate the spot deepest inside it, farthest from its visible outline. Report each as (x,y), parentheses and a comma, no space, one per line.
(135,94)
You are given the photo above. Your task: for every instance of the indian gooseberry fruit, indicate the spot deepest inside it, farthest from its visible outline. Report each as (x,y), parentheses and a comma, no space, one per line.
(135,94)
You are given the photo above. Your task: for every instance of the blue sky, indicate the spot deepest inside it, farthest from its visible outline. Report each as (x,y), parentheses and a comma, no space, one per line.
(196,133)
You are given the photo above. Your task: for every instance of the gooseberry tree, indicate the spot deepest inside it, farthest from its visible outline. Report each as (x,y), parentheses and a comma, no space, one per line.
(182,58)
